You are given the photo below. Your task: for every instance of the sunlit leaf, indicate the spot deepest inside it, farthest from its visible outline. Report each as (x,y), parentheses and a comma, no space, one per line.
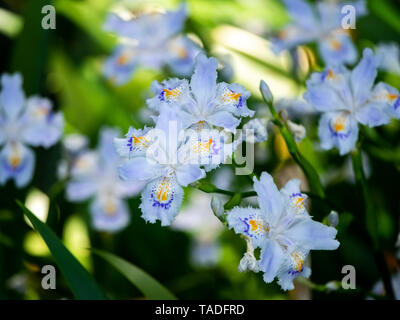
(10,23)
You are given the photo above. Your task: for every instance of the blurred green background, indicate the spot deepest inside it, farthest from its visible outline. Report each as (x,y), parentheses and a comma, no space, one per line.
(65,65)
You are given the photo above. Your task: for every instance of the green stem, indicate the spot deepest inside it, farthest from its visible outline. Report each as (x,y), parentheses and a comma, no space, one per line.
(368,216)
(234,200)
(335,287)
(369,220)
(248,194)
(210,188)
(308,169)
(314,286)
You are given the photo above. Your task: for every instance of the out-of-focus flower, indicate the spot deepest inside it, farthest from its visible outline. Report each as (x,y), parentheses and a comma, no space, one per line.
(198,219)
(205,254)
(160,160)
(203,100)
(151,41)
(24,122)
(389,57)
(94,175)
(321,24)
(181,52)
(347,98)
(283,229)
(258,130)
(73,143)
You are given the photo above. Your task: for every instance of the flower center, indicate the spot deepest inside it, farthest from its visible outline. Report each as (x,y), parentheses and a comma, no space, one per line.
(162,193)
(338,125)
(123,59)
(297,261)
(110,208)
(299,202)
(256,227)
(14,161)
(41,112)
(15,158)
(202,147)
(170,94)
(336,45)
(232,97)
(331,74)
(182,53)
(392,96)
(137,142)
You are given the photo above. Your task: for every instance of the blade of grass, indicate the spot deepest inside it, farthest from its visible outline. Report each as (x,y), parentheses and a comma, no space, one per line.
(81,283)
(150,287)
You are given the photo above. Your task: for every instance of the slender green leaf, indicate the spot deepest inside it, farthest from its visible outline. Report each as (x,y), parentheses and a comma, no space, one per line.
(308,169)
(150,287)
(79,280)
(387,11)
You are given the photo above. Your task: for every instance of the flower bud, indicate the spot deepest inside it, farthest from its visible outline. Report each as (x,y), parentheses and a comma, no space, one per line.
(298,131)
(266,92)
(333,219)
(332,286)
(258,128)
(248,263)
(216,206)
